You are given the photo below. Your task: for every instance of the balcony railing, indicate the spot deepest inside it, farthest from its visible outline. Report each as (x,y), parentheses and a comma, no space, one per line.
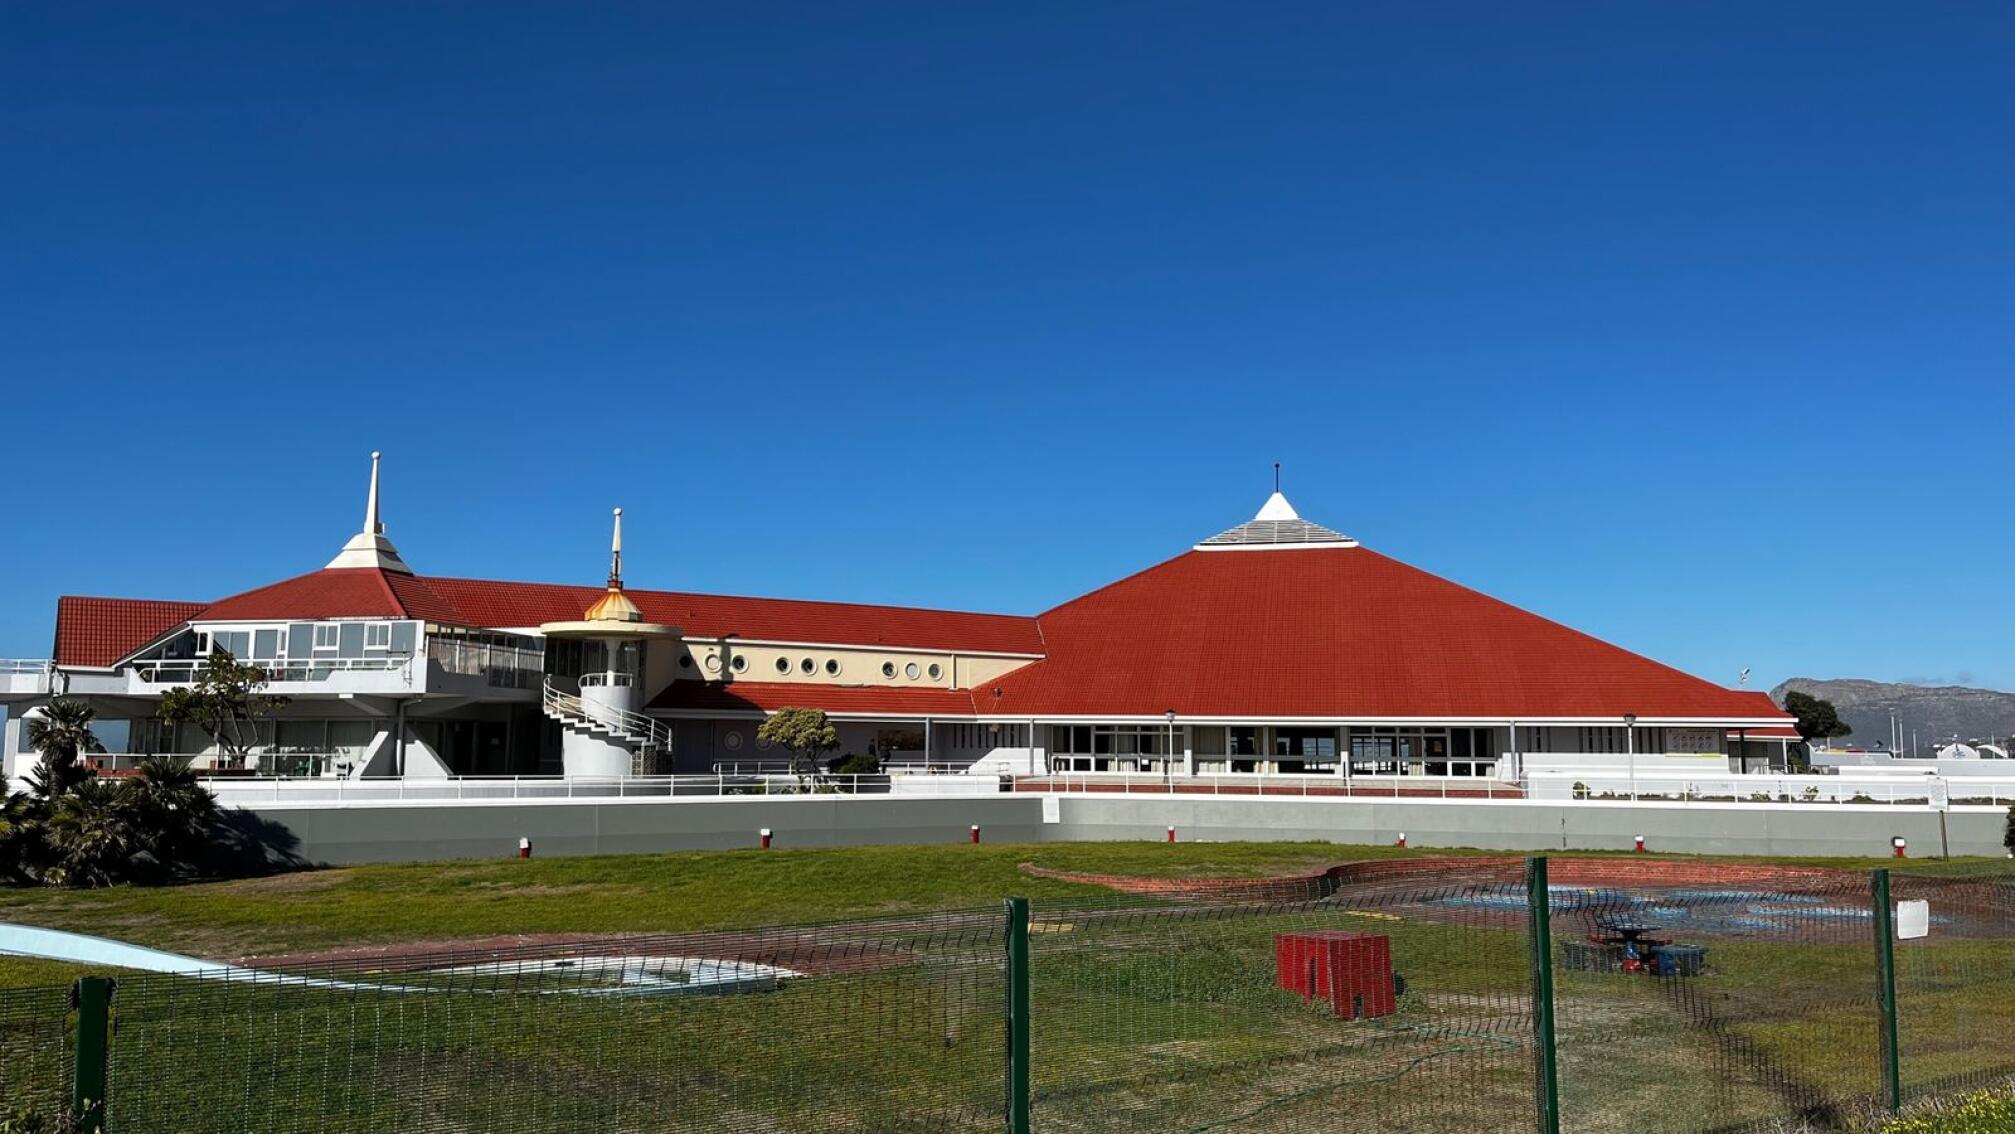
(26,665)
(505,667)
(182,672)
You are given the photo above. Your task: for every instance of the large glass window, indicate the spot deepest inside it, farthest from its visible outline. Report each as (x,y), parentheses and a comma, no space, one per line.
(1423,752)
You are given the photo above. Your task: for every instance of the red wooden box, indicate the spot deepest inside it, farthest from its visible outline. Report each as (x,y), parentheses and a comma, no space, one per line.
(1353,971)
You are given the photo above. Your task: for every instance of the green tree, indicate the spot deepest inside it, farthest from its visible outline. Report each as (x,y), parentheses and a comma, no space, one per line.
(93,837)
(2008,832)
(226,702)
(805,733)
(60,731)
(1817,719)
(172,813)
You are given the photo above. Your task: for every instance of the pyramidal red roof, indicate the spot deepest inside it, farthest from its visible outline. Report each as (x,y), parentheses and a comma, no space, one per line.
(1345,632)
(93,632)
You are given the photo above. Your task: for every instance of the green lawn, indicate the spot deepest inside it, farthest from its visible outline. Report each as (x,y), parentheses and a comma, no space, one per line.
(1150,1018)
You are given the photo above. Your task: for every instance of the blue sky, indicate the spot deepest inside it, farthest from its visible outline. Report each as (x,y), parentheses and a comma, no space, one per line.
(1685,324)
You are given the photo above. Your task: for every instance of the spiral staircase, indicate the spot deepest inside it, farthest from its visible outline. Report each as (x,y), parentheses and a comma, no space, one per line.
(649,741)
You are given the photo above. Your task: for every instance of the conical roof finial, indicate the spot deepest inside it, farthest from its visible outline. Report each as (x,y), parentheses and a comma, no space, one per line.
(369,547)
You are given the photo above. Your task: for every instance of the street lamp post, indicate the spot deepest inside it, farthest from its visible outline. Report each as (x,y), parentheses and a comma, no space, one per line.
(1630,746)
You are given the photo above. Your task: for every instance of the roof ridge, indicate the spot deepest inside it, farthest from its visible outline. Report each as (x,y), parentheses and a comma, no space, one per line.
(391,595)
(636,590)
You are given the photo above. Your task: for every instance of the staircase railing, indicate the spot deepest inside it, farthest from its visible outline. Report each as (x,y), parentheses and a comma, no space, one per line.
(634,727)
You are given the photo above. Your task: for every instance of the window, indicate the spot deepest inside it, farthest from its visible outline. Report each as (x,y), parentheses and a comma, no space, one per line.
(808,667)
(888,669)
(740,663)
(714,663)
(783,665)
(326,635)
(910,671)
(832,667)
(937,671)
(265,644)
(685,661)
(378,636)
(202,643)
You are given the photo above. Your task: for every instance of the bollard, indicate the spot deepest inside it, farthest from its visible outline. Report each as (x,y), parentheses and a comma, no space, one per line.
(1899,844)
(765,833)
(976,834)
(524,848)
(1171,834)
(1402,840)
(1640,844)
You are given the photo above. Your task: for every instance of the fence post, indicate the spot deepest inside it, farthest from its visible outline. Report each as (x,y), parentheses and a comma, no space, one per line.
(1540,929)
(91,997)
(1885,993)
(1017,1017)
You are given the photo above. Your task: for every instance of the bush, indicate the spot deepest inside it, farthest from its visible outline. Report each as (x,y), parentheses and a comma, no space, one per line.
(2008,831)
(1990,1112)
(858,764)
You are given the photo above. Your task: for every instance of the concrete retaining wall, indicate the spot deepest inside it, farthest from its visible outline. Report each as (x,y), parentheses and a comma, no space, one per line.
(399,832)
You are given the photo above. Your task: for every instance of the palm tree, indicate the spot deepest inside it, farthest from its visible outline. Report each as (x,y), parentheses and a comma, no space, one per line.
(21,843)
(60,731)
(92,835)
(171,810)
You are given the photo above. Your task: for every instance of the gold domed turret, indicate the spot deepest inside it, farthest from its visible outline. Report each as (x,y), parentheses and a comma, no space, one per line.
(613,615)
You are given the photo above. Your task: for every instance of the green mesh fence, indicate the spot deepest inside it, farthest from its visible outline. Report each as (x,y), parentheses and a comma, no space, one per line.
(1388,997)
(1955,987)
(35,1057)
(1724,1001)
(884,1026)
(1394,1006)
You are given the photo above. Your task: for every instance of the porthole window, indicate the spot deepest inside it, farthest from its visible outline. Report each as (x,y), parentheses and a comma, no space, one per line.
(685,661)
(832,667)
(888,669)
(732,741)
(910,671)
(937,671)
(783,665)
(713,663)
(739,664)
(808,666)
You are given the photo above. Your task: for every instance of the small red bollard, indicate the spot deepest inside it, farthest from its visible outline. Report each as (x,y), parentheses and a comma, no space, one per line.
(1900,845)
(1171,834)
(1402,840)
(976,834)
(765,833)
(1640,844)
(524,848)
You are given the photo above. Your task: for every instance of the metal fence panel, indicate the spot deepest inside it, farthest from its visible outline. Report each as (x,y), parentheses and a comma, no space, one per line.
(1392,1006)
(882,1026)
(1699,998)
(1955,986)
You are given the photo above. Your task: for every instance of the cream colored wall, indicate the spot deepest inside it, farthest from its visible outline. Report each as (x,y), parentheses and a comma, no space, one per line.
(857,666)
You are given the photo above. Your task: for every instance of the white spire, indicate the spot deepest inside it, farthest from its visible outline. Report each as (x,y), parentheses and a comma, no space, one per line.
(616,553)
(369,547)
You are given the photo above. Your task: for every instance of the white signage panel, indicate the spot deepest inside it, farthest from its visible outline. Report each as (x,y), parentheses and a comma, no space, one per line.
(1913,919)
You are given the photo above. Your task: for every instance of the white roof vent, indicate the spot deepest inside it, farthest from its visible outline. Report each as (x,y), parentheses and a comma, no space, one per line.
(1277,527)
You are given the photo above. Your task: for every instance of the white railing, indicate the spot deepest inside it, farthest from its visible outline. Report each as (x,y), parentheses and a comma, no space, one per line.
(242,791)
(507,667)
(182,672)
(262,764)
(633,727)
(1325,786)
(1898,790)
(26,665)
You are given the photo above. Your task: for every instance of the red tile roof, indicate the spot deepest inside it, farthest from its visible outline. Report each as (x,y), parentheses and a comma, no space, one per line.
(768,696)
(1333,633)
(367,592)
(94,632)
(492,604)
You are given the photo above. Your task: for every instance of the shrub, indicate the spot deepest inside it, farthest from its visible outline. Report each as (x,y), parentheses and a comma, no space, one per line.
(1990,1112)
(858,764)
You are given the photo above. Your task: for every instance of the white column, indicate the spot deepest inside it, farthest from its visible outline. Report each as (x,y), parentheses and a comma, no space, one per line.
(1189,750)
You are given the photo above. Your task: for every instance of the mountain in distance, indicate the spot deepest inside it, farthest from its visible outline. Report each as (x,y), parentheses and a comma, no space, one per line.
(1936,712)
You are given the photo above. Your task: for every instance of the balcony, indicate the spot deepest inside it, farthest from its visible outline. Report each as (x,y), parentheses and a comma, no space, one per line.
(370,675)
(25,677)
(480,668)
